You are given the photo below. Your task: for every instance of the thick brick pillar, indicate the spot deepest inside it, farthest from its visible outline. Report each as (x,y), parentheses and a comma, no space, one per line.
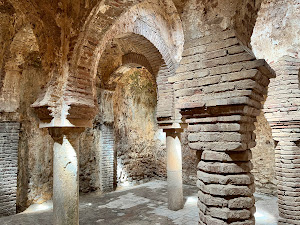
(220,87)
(225,182)
(282,110)
(65,175)
(9,140)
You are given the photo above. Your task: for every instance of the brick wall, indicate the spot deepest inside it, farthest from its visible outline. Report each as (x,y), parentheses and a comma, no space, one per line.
(107,157)
(282,112)
(9,140)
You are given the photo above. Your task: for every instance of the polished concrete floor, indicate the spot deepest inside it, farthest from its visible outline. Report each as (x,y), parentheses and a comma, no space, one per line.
(145,204)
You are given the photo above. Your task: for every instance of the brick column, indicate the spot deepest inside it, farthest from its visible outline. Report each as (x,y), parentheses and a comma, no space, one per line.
(219,87)
(225,183)
(282,110)
(9,140)
(65,175)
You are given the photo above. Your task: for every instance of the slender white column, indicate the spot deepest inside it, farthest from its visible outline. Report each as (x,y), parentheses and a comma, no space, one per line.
(65,175)
(174,169)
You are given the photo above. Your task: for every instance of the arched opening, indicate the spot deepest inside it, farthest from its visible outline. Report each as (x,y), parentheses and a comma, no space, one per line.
(135,126)
(127,91)
(135,42)
(119,58)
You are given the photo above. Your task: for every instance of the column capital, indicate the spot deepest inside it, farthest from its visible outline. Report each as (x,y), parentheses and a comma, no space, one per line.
(57,133)
(174,128)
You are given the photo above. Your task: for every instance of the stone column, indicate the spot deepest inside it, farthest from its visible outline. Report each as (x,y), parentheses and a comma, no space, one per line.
(65,175)
(174,168)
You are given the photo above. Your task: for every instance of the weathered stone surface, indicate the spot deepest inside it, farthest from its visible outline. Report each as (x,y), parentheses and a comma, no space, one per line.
(243,156)
(240,203)
(226,190)
(238,179)
(264,157)
(225,168)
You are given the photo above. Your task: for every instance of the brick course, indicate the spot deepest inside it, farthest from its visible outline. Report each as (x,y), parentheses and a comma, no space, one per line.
(9,140)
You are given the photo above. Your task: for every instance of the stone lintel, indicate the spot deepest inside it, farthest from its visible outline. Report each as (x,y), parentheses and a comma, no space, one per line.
(62,122)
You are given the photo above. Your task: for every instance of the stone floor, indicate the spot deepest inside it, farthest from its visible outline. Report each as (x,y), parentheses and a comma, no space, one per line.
(145,204)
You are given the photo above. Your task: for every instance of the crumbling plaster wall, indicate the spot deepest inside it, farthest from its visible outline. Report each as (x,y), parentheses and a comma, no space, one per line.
(36,145)
(264,157)
(200,16)
(135,126)
(95,156)
(22,79)
(276,33)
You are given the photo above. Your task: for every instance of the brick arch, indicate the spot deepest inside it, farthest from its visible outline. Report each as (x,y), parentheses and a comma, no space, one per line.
(129,60)
(137,59)
(146,19)
(118,73)
(129,48)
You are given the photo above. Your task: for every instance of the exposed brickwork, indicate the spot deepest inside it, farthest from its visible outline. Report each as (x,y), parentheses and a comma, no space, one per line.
(133,58)
(107,157)
(143,46)
(9,140)
(92,43)
(219,89)
(282,110)
(165,95)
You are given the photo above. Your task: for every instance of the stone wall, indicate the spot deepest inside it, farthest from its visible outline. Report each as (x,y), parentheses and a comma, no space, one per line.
(36,145)
(263,158)
(89,160)
(199,16)
(9,140)
(190,161)
(135,125)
